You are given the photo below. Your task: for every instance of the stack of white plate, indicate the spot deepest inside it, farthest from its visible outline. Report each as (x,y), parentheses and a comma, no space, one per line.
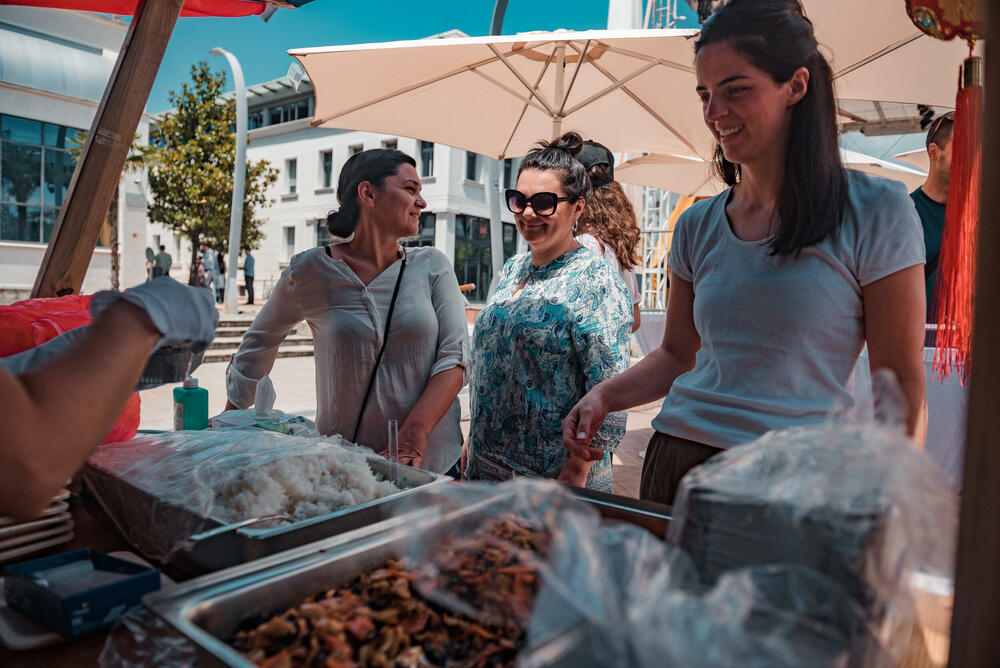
(23,538)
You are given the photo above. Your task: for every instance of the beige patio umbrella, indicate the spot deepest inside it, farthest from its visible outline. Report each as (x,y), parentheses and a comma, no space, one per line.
(497,96)
(693,176)
(917,157)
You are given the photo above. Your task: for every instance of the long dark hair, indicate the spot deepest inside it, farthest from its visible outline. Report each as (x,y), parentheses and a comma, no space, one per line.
(559,155)
(373,165)
(775,36)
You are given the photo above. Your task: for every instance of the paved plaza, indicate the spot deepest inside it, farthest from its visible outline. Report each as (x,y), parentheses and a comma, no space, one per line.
(295,385)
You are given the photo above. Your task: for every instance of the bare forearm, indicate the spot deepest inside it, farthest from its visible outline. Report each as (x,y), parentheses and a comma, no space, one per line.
(650,379)
(914,388)
(59,410)
(433,403)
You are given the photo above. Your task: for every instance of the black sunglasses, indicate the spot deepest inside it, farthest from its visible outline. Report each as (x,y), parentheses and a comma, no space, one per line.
(543,204)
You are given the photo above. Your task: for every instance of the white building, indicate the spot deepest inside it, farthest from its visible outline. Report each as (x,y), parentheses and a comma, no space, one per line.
(54,67)
(309,160)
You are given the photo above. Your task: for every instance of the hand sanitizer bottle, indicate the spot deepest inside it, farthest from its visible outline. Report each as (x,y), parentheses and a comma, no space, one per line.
(190,406)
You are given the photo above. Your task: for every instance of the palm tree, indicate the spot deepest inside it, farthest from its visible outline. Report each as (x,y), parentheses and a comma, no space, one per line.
(139,157)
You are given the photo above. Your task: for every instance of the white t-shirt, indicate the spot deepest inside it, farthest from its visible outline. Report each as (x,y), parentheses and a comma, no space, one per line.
(780,335)
(592,243)
(429,335)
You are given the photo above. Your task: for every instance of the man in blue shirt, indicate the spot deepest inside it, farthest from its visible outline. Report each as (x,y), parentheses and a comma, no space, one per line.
(248,276)
(931,197)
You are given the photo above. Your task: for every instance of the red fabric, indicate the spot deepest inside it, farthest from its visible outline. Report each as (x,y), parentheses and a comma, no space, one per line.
(32,322)
(957,271)
(127,7)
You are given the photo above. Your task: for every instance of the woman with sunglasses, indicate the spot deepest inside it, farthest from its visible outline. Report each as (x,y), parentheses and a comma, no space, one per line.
(389,324)
(777,283)
(557,324)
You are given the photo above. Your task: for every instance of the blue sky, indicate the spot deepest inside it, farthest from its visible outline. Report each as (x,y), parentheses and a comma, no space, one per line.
(261,46)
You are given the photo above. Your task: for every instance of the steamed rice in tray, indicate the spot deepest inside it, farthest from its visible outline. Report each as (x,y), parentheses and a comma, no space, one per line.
(299,486)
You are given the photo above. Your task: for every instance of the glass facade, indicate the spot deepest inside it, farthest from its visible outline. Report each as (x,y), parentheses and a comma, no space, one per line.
(283,113)
(473,262)
(35,171)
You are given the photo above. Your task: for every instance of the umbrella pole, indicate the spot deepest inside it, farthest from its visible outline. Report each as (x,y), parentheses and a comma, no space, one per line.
(493,178)
(557,101)
(99,168)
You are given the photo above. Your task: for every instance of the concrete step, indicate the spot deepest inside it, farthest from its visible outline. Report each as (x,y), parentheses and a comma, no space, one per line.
(235,320)
(233,342)
(224,354)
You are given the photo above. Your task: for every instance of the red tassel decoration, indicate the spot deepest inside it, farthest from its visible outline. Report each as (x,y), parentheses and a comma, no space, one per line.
(953,296)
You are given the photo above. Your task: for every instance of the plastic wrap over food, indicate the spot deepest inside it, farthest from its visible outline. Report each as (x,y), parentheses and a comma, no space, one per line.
(264,415)
(140,639)
(160,489)
(855,501)
(780,616)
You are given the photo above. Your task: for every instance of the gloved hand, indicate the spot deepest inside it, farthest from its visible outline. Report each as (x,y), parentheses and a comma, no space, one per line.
(181,313)
(23,361)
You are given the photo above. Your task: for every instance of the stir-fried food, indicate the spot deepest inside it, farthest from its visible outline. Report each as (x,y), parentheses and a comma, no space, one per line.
(467,606)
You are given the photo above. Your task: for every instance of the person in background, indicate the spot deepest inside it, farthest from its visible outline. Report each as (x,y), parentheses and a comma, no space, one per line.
(57,401)
(210,266)
(778,282)
(607,225)
(162,263)
(931,198)
(248,269)
(557,324)
(377,357)
(220,277)
(198,274)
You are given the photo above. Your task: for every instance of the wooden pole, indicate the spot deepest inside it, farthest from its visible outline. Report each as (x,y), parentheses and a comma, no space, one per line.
(975,640)
(103,157)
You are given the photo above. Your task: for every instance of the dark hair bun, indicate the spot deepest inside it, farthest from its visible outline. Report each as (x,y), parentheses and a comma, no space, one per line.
(341,223)
(571,142)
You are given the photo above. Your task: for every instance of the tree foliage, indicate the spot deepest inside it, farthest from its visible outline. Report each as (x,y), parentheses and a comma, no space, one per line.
(191,178)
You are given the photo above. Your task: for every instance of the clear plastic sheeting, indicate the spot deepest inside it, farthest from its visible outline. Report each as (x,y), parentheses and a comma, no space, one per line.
(854,501)
(264,415)
(140,639)
(161,489)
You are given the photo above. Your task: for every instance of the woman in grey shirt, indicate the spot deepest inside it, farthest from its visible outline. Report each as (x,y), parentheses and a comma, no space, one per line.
(777,283)
(345,292)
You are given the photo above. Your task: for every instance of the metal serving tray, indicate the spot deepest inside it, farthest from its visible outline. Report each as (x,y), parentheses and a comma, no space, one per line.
(210,609)
(218,544)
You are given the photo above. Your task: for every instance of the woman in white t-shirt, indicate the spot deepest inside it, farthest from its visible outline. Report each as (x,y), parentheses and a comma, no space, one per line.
(778,282)
(607,225)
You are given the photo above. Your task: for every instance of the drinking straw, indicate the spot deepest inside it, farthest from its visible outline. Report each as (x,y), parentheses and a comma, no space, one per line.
(394,449)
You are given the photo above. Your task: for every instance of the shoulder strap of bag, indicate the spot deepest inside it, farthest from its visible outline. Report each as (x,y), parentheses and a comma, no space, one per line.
(329,253)
(378,358)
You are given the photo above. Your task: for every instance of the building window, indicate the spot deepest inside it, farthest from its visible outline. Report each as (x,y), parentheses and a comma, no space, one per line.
(471,165)
(35,171)
(323,236)
(425,237)
(274,116)
(291,176)
(287,243)
(508,172)
(326,169)
(256,119)
(357,148)
(426,158)
(473,262)
(390,144)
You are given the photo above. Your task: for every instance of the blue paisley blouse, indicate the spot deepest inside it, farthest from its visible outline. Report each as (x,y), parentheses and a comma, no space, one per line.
(535,355)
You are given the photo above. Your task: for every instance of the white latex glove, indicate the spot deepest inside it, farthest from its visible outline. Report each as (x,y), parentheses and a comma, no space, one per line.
(20,363)
(182,313)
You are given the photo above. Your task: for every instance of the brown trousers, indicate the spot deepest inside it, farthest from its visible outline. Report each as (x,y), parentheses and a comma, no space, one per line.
(667,459)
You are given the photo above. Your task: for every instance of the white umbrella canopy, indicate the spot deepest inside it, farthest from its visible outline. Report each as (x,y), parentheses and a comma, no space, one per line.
(693,176)
(917,157)
(633,90)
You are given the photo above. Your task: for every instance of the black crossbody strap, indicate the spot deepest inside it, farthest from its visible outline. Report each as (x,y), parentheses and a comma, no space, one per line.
(378,358)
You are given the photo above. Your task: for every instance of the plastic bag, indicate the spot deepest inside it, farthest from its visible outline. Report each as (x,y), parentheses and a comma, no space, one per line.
(32,322)
(264,416)
(160,489)
(854,501)
(140,639)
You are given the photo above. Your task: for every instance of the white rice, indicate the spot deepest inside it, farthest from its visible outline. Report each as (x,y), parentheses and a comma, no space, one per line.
(300,486)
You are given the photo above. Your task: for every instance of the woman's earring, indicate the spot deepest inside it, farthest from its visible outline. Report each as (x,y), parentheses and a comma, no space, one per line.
(574,226)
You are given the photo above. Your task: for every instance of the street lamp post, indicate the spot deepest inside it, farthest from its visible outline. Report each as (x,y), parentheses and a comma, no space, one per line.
(239,180)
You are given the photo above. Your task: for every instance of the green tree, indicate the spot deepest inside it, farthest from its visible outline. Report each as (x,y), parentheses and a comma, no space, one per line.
(139,156)
(192,177)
